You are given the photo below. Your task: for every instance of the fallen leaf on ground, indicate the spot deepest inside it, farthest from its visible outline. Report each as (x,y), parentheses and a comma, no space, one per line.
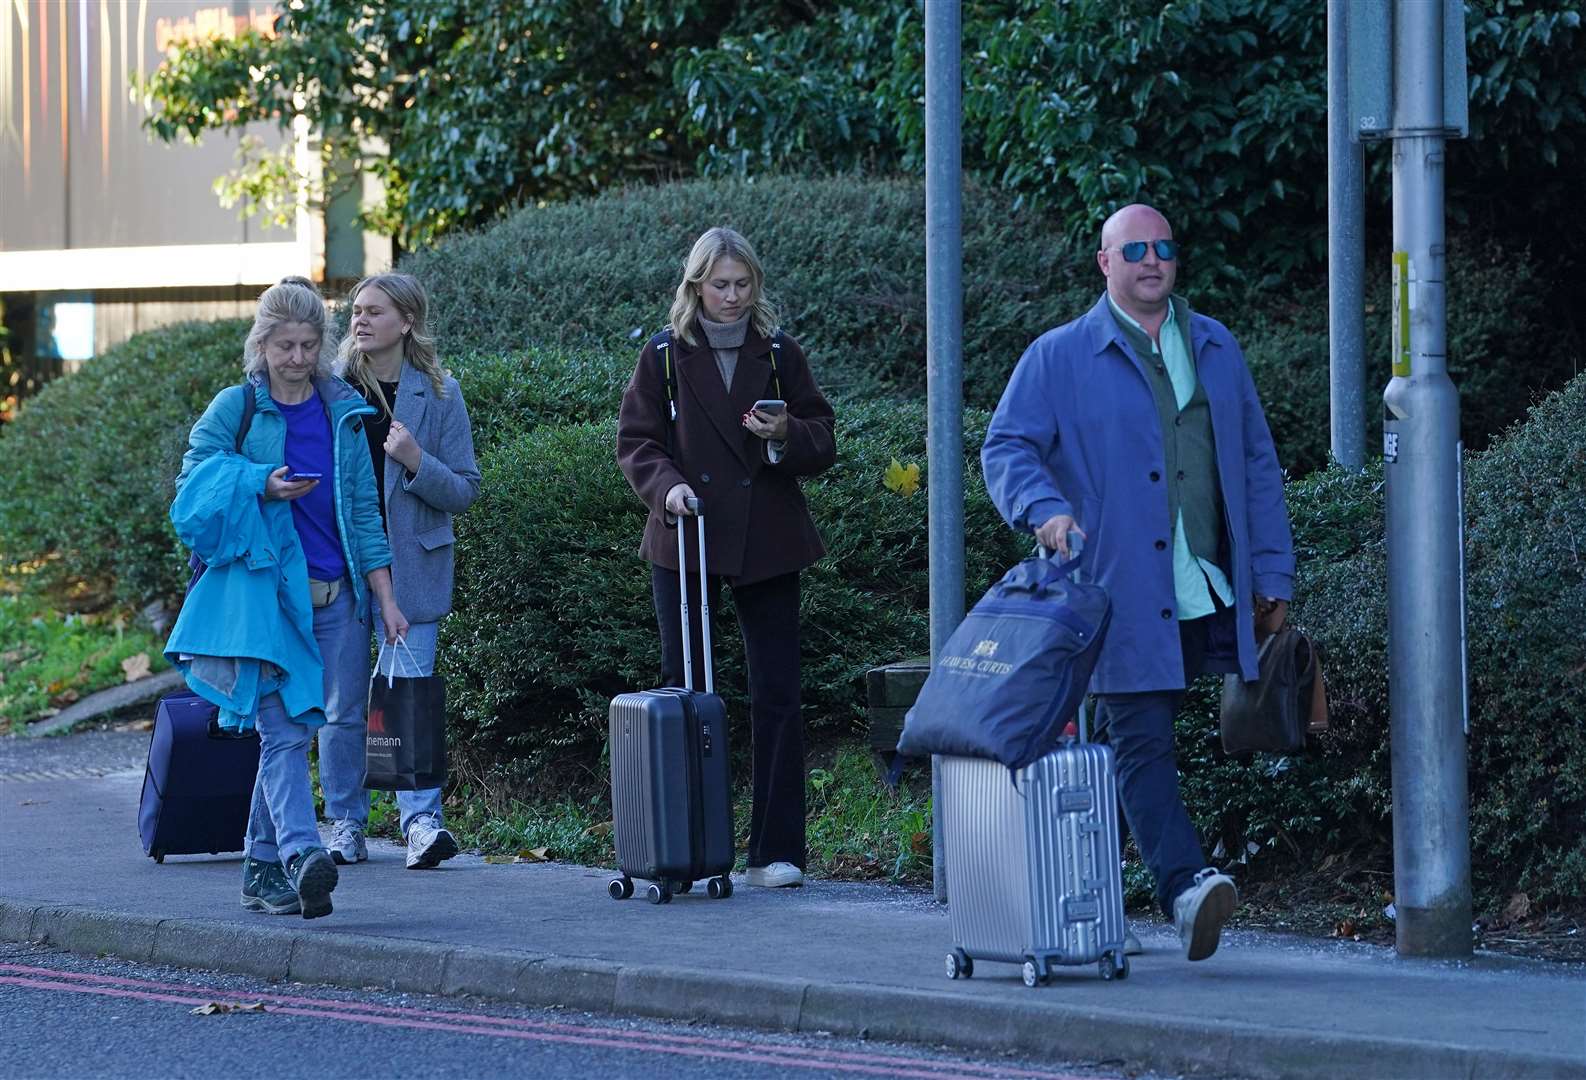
(214,1007)
(136,667)
(67,697)
(137,725)
(539,854)
(602,829)
(500,858)
(1346,928)
(920,843)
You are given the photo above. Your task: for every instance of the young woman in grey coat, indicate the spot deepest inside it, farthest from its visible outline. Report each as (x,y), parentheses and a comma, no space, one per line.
(423,453)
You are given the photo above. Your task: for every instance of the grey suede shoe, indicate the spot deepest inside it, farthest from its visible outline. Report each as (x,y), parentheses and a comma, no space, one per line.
(1200,911)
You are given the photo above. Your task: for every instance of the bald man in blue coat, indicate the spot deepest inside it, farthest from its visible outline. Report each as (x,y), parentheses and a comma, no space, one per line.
(1137,425)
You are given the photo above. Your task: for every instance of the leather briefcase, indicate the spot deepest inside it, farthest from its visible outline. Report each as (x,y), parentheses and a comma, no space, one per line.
(1287,701)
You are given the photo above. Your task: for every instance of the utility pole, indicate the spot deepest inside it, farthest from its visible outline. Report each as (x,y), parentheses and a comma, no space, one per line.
(1422,464)
(944,347)
(1346,253)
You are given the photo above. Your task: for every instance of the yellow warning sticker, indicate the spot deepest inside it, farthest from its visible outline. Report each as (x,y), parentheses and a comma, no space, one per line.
(1401,314)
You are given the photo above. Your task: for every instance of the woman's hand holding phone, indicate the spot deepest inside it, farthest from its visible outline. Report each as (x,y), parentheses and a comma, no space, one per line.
(278,486)
(768,419)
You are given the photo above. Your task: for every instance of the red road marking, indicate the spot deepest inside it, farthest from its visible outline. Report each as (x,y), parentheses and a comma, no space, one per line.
(511,1027)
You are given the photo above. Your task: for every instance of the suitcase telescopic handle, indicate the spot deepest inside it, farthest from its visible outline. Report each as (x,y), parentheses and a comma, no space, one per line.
(704,601)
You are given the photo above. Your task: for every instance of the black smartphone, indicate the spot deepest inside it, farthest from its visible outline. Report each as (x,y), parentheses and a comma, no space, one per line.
(294,477)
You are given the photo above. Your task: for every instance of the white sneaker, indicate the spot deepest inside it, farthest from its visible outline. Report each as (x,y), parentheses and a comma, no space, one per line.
(429,845)
(347,843)
(779,875)
(1200,911)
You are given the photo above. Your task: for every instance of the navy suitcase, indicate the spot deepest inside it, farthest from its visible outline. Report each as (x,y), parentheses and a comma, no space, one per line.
(671,780)
(198,783)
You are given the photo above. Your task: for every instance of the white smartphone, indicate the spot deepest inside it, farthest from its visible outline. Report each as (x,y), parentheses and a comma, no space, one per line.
(770,406)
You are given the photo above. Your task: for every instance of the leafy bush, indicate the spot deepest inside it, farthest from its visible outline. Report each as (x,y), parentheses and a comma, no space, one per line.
(91,460)
(1504,350)
(845,259)
(1525,512)
(508,393)
(554,615)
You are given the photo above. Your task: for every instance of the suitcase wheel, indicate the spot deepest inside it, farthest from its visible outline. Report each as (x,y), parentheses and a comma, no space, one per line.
(1114,966)
(681,886)
(959,965)
(159,856)
(1034,974)
(719,888)
(658,893)
(620,888)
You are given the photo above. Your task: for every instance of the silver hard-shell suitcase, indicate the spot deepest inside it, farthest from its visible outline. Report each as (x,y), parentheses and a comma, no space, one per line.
(1033,872)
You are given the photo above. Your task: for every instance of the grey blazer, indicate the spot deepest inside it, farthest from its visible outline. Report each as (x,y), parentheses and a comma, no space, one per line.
(419,509)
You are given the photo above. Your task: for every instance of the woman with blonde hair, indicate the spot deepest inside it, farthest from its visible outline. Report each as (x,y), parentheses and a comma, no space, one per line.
(277,499)
(723,413)
(421,448)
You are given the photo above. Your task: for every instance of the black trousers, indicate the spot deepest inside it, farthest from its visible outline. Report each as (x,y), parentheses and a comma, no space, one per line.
(768,614)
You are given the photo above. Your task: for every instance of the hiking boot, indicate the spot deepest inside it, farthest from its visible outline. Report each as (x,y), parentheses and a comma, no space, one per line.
(313,875)
(347,844)
(1200,911)
(1131,944)
(778,875)
(429,845)
(265,888)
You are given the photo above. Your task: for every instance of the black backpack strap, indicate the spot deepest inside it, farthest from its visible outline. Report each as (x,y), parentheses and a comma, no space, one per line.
(663,349)
(776,351)
(248,406)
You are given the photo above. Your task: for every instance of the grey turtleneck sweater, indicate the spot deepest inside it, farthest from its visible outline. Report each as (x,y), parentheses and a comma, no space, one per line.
(725,340)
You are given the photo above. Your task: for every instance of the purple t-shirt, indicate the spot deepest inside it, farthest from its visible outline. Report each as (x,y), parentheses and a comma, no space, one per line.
(308,449)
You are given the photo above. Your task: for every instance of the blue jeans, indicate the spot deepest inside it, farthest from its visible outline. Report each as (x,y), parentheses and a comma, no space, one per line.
(281,819)
(1140,729)
(341,740)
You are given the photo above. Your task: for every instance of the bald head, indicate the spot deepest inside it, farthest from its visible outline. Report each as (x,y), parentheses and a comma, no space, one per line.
(1139,218)
(1141,288)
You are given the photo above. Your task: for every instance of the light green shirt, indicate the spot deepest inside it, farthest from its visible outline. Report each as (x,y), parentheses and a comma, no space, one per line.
(1191,575)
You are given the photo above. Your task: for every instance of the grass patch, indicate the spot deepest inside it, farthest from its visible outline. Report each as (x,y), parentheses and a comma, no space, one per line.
(49,661)
(858,830)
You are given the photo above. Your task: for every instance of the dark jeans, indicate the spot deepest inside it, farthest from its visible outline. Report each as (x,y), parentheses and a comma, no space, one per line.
(1140,729)
(768,614)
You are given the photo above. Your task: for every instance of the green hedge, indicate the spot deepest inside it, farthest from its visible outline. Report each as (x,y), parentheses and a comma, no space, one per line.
(845,259)
(553,604)
(1525,515)
(90,461)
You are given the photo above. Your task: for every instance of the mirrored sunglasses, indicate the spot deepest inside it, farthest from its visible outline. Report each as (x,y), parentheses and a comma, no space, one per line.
(1134,250)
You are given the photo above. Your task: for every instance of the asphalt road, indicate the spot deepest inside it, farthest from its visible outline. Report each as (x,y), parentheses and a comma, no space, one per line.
(71,1016)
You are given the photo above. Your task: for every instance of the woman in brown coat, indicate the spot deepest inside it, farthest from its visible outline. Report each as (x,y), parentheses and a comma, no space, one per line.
(689,429)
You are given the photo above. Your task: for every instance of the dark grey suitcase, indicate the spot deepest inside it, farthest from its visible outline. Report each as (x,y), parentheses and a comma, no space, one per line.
(671,780)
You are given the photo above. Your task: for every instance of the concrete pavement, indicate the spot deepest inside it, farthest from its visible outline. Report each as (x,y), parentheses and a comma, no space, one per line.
(852,959)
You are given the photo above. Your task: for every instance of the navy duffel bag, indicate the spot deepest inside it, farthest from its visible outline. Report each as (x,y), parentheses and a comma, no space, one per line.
(1015,671)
